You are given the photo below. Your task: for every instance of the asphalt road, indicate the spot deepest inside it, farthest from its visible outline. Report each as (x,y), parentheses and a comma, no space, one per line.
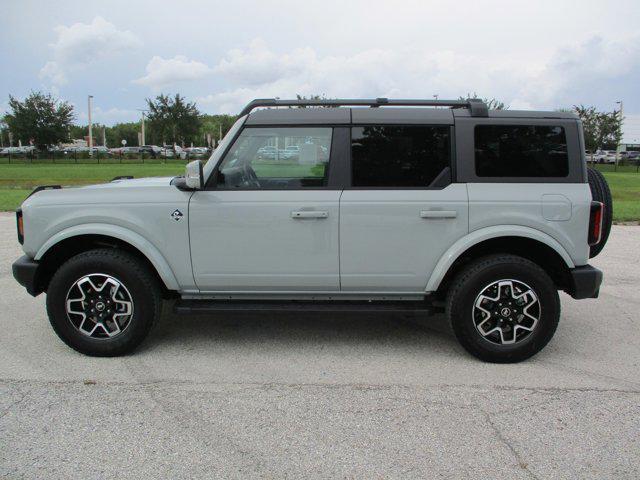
(324,396)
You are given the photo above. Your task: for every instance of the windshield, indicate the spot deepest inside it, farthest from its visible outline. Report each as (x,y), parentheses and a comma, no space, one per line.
(217,153)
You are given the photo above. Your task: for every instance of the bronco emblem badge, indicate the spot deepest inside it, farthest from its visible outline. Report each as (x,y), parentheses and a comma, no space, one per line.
(176,215)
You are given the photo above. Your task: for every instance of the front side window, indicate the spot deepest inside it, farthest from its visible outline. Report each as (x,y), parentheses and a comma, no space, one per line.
(398,156)
(277,158)
(520,151)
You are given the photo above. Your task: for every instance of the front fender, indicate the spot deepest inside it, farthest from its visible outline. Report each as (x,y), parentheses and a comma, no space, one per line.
(121,233)
(477,236)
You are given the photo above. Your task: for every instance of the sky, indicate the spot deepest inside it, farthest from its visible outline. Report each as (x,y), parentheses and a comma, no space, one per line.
(531,55)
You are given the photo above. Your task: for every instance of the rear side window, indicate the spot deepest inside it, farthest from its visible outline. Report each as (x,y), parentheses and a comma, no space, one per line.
(398,156)
(520,151)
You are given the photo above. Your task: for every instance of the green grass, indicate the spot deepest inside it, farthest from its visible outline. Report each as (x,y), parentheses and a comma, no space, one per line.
(27,176)
(17,180)
(11,198)
(625,188)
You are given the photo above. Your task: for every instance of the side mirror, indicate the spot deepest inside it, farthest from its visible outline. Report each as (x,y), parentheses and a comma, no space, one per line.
(194,176)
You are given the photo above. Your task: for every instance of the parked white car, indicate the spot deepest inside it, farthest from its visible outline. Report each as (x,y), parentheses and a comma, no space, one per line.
(605,156)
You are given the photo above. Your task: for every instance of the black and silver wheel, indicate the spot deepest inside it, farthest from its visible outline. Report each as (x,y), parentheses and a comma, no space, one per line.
(103,302)
(99,306)
(503,308)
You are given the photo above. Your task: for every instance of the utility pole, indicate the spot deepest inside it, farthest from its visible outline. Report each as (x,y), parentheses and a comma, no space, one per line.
(90,126)
(142,130)
(621,133)
(142,139)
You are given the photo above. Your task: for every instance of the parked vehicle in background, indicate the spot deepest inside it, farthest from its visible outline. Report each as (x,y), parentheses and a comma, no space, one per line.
(116,151)
(18,151)
(291,152)
(630,155)
(482,215)
(605,156)
(194,152)
(171,151)
(152,150)
(267,152)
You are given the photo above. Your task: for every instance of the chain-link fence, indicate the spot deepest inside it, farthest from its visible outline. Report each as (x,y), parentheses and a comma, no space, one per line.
(97,157)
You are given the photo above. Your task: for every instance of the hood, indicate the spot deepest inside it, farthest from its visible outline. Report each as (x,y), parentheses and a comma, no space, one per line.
(137,190)
(134,182)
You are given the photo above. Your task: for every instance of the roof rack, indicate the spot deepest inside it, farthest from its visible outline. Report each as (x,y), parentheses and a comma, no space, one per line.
(476,107)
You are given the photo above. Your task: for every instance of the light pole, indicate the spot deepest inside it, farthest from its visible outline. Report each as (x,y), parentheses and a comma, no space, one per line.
(90,126)
(142,126)
(621,132)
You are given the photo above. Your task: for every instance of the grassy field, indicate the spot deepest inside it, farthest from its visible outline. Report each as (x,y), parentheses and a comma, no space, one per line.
(17,181)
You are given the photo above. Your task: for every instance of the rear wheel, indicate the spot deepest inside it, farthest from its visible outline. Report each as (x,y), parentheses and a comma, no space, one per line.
(503,308)
(103,302)
(600,192)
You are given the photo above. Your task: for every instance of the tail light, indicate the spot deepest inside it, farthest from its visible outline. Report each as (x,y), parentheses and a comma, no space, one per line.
(595,223)
(20,225)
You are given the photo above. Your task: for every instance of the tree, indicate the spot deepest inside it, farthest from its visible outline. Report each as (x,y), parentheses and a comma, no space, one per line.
(40,117)
(214,125)
(173,119)
(492,103)
(122,131)
(602,130)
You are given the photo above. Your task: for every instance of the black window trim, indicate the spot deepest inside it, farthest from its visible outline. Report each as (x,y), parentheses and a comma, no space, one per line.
(333,181)
(452,159)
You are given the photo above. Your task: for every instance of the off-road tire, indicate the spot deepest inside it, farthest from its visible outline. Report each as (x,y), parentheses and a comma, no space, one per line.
(134,274)
(471,281)
(600,192)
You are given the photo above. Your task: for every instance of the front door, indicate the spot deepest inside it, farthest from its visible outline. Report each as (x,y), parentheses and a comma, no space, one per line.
(270,223)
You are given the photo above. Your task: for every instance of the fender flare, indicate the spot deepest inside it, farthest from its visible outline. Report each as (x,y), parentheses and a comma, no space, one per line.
(109,230)
(487,233)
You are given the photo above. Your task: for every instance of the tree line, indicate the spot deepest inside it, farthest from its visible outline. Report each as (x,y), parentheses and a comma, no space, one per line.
(43,120)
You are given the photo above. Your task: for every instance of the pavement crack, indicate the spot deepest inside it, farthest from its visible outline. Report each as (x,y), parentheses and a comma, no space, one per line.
(14,404)
(502,439)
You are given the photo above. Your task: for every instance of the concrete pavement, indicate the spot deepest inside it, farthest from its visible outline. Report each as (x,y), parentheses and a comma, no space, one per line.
(319,396)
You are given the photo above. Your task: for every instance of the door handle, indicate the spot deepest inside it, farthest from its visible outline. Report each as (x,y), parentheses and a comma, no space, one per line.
(438,214)
(309,214)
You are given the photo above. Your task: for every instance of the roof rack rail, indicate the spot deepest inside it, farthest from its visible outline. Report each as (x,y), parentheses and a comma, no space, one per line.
(476,107)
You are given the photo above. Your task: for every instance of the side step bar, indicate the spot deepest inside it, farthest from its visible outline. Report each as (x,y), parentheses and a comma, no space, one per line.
(191,307)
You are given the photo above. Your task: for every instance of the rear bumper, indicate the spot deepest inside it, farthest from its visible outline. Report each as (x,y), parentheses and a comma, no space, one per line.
(585,282)
(25,271)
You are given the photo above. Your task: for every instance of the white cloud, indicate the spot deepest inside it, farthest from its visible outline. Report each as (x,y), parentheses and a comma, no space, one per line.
(109,116)
(81,44)
(258,65)
(577,73)
(162,72)
(419,72)
(259,72)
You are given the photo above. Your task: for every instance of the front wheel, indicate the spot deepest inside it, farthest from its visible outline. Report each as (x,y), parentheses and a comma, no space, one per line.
(103,302)
(503,308)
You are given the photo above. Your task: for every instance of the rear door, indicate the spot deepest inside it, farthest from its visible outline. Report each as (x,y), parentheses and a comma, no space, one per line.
(401,211)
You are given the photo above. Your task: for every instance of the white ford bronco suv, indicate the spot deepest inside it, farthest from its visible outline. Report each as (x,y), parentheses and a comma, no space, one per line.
(335,205)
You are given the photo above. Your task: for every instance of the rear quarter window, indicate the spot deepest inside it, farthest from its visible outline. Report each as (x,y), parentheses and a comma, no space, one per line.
(520,151)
